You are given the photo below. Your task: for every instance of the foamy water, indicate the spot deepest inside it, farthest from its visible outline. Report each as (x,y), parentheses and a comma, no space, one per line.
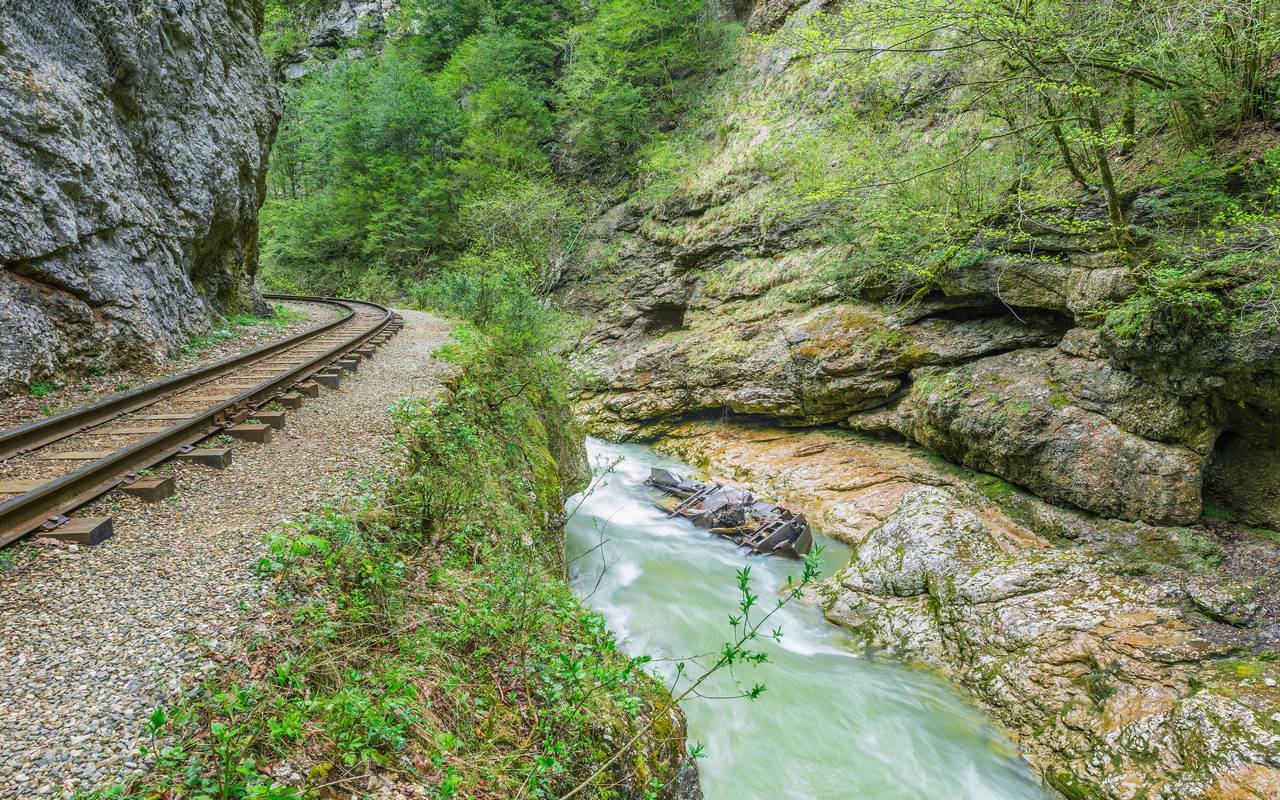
(831,722)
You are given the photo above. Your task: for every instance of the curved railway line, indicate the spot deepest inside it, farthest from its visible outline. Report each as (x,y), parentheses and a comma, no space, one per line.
(50,467)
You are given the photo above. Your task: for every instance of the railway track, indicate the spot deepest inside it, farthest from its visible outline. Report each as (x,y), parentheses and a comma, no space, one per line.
(50,467)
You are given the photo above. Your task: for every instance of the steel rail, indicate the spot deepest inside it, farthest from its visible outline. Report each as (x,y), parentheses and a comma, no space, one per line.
(42,432)
(46,505)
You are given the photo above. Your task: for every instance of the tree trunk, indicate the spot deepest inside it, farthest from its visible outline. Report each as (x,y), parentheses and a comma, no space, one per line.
(1129,122)
(1115,211)
(1067,157)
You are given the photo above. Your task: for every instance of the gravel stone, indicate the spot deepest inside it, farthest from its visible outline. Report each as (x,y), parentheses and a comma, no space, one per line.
(96,638)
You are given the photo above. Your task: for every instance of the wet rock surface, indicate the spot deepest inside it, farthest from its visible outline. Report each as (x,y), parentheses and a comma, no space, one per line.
(133,151)
(1129,660)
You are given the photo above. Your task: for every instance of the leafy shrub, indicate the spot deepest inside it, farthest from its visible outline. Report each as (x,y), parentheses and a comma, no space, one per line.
(1175,303)
(42,388)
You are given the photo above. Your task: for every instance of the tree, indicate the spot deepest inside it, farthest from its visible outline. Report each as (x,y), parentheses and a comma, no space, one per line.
(1074,73)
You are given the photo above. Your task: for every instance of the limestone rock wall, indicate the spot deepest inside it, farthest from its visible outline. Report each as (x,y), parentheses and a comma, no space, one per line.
(702,301)
(134,137)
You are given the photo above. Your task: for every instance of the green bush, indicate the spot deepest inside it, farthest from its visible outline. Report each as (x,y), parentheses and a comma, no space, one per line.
(629,70)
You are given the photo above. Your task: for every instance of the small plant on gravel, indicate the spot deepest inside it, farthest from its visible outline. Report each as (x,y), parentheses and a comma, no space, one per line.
(284,316)
(42,388)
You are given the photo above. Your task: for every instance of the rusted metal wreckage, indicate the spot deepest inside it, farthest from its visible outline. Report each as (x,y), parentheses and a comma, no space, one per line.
(757,525)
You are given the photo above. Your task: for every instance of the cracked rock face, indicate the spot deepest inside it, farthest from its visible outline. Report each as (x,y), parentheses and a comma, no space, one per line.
(133,151)
(1120,688)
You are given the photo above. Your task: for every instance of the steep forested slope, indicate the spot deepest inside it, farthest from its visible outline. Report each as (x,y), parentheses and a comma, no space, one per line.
(940,240)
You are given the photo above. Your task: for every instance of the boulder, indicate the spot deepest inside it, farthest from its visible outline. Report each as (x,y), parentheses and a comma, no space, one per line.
(1013,415)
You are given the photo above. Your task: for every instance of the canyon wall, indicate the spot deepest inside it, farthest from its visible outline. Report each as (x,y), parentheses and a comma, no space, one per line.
(1033,353)
(1060,482)
(133,151)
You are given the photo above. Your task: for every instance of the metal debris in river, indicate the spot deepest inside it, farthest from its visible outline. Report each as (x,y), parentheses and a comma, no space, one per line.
(757,525)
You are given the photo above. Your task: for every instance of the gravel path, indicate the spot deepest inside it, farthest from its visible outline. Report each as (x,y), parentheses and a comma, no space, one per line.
(93,639)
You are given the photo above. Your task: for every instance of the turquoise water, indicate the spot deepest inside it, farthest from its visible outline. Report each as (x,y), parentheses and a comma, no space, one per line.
(831,723)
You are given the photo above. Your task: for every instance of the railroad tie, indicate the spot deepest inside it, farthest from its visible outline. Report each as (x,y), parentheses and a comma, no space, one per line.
(273,419)
(250,432)
(150,490)
(82,530)
(19,487)
(212,457)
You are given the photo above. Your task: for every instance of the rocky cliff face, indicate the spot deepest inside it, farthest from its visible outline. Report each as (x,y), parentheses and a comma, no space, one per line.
(1055,560)
(704,300)
(1004,368)
(133,151)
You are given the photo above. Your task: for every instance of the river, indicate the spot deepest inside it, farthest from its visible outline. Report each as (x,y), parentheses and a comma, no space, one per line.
(831,722)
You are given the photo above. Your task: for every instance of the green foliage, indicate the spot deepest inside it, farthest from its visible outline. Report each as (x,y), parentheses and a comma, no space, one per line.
(631,68)
(1172,298)
(284,26)
(42,388)
(359,177)
(436,145)
(391,165)
(1077,78)
(1206,191)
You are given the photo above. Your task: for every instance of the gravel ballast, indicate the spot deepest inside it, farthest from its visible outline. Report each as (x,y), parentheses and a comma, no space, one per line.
(96,638)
